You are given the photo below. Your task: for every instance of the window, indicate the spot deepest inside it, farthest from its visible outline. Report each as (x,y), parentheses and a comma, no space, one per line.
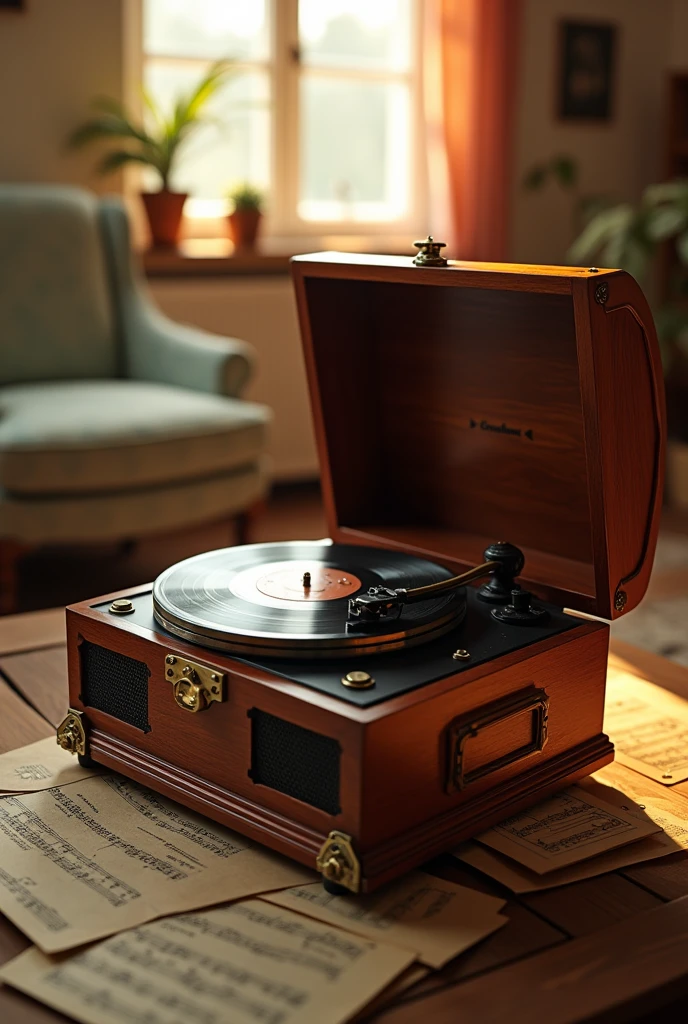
(321,109)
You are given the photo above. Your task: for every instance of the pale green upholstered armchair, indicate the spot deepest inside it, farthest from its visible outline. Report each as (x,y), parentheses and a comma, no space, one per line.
(115,422)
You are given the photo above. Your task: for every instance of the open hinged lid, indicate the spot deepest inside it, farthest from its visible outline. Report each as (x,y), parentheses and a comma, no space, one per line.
(460,405)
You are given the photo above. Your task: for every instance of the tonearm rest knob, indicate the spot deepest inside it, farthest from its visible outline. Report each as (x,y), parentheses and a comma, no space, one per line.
(501,583)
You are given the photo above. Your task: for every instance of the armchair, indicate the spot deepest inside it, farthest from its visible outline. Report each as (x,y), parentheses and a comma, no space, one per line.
(115,422)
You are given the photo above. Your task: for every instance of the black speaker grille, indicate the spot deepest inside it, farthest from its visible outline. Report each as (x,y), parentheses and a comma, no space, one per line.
(114,683)
(294,760)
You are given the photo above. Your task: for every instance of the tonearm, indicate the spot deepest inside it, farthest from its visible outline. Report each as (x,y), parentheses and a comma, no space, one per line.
(503,563)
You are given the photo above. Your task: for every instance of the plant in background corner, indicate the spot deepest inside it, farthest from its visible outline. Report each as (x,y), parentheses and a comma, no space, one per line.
(563,170)
(155,142)
(247,210)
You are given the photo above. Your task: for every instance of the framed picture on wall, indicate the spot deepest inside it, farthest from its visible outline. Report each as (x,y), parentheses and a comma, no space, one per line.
(587,55)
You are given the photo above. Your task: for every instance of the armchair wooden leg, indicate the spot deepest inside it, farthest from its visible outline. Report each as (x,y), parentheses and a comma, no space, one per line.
(10,554)
(245,521)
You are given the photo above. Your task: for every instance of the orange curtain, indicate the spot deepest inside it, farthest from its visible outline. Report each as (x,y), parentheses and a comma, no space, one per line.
(471,79)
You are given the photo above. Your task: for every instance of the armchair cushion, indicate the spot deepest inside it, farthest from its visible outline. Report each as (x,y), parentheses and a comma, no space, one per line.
(55,306)
(86,437)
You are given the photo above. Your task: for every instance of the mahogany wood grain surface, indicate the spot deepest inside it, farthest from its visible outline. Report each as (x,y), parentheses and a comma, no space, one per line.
(31,630)
(623,970)
(41,677)
(20,723)
(395,800)
(622,966)
(521,403)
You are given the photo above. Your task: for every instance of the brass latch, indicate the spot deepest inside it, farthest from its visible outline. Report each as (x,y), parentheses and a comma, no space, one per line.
(195,686)
(71,733)
(338,863)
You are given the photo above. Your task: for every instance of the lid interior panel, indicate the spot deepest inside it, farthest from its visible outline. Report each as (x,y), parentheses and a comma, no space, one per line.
(454,414)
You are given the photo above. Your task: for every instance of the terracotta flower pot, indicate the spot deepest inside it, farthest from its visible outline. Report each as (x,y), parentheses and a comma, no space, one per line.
(164,210)
(243,228)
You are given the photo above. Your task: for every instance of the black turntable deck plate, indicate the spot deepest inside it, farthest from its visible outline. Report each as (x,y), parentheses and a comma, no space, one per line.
(395,672)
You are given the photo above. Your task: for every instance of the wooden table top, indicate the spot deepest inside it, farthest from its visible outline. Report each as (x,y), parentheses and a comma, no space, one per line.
(605,949)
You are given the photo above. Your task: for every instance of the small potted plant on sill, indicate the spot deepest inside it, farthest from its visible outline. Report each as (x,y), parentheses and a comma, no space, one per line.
(247,211)
(155,144)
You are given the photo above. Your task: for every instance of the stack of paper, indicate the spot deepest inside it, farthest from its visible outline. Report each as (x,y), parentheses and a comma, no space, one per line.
(574,835)
(623,818)
(112,883)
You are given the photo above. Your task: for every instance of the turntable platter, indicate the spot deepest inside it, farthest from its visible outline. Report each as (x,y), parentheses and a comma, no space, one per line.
(291,599)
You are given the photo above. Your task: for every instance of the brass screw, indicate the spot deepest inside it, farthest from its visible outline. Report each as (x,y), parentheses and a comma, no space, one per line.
(620,599)
(358,680)
(215,678)
(171,660)
(667,775)
(122,606)
(593,270)
(460,655)
(602,293)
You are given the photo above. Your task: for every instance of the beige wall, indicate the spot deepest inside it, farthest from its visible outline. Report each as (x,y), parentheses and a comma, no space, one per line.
(617,158)
(54,57)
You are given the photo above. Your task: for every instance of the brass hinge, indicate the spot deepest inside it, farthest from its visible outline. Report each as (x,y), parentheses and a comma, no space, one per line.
(338,863)
(71,733)
(194,686)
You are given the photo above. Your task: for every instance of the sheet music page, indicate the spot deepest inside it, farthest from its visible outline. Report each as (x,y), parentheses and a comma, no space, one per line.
(249,963)
(570,826)
(648,726)
(89,859)
(41,765)
(429,916)
(616,785)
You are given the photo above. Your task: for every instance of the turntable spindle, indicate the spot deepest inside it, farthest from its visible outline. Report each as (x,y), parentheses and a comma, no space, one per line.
(306,581)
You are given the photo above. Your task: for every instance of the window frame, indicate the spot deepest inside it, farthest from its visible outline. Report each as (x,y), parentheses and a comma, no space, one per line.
(282,222)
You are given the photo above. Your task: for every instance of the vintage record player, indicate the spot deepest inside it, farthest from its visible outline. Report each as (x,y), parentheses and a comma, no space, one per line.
(348,702)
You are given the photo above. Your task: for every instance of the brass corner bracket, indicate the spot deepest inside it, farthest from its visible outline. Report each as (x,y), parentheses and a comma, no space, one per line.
(338,863)
(71,733)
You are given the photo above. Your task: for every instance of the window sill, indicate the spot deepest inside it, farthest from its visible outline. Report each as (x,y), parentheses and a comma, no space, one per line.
(216,257)
(212,257)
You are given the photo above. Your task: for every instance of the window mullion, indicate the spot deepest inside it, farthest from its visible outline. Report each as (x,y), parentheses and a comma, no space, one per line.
(285,116)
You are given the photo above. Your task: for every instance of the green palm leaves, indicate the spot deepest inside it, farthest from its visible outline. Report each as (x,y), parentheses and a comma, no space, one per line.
(158,144)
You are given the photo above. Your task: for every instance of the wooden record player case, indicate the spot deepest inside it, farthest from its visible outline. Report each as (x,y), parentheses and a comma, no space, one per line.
(454,406)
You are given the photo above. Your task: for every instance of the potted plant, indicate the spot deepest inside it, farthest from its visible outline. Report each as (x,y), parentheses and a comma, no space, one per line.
(247,211)
(156,142)
(630,236)
(563,171)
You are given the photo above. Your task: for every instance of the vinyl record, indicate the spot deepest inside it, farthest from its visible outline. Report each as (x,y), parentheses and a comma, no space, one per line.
(291,599)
